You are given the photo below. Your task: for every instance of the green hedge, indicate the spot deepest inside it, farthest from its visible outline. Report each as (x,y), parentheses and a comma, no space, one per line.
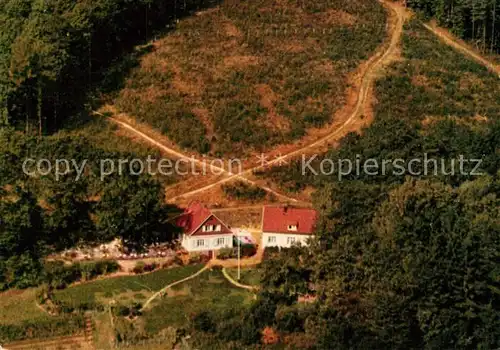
(42,328)
(58,275)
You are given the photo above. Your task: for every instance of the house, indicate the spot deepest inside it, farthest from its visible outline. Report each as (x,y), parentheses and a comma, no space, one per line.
(284,226)
(202,230)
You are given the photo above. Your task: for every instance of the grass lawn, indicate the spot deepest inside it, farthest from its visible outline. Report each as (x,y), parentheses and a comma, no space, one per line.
(249,275)
(123,289)
(246,75)
(19,305)
(210,291)
(20,318)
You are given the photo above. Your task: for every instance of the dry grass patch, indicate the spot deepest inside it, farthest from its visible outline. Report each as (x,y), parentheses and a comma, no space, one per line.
(241,61)
(232,30)
(337,17)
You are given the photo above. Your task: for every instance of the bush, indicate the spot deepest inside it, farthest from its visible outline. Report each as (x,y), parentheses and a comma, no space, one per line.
(225,253)
(58,275)
(128,311)
(203,321)
(178,261)
(168,264)
(288,319)
(151,267)
(230,329)
(269,252)
(139,267)
(195,258)
(247,250)
(241,190)
(41,328)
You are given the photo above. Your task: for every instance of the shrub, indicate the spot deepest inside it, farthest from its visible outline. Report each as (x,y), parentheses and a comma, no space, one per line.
(139,267)
(269,336)
(247,250)
(269,252)
(288,319)
(126,311)
(178,261)
(41,328)
(58,275)
(225,253)
(195,258)
(241,190)
(168,264)
(150,267)
(230,329)
(203,321)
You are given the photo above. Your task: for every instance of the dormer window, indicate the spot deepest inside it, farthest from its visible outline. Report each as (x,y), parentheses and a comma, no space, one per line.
(211,228)
(292,227)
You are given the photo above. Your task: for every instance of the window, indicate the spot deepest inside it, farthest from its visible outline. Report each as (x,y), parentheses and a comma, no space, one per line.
(290,240)
(292,227)
(208,228)
(271,239)
(220,241)
(200,243)
(218,228)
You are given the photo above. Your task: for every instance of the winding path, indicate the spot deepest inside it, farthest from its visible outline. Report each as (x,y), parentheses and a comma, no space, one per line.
(375,63)
(214,168)
(164,289)
(380,59)
(235,283)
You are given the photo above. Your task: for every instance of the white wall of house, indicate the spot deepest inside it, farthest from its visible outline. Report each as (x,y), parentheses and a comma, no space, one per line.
(283,240)
(207,242)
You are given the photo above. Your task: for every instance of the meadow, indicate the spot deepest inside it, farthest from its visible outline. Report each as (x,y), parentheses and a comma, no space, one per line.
(245,76)
(21,318)
(249,276)
(209,292)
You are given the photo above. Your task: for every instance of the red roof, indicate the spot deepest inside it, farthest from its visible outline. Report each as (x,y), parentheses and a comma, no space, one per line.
(195,215)
(277,220)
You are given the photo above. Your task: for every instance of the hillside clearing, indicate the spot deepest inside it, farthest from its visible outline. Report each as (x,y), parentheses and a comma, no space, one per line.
(249,76)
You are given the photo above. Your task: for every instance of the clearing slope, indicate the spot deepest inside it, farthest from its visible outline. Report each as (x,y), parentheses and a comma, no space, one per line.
(436,101)
(249,75)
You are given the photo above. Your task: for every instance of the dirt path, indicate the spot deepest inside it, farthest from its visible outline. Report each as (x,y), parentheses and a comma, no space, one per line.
(350,115)
(199,163)
(235,283)
(373,66)
(461,46)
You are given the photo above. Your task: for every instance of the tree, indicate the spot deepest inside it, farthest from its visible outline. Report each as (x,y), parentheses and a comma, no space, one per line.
(21,239)
(69,219)
(131,207)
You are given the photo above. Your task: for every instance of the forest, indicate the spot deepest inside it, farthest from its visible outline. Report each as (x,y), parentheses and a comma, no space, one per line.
(56,59)
(475,20)
(41,214)
(55,55)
